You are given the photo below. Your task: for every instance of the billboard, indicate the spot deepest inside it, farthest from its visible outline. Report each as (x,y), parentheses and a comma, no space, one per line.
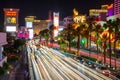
(23,34)
(56,19)
(11,28)
(11,19)
(30,33)
(29,24)
(56,23)
(11,16)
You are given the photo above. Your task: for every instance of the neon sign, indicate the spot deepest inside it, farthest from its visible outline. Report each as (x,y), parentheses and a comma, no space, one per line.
(11,13)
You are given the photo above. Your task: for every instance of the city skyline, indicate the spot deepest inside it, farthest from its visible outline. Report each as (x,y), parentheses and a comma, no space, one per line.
(40,9)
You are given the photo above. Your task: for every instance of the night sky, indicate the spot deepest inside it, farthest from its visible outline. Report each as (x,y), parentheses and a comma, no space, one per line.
(40,8)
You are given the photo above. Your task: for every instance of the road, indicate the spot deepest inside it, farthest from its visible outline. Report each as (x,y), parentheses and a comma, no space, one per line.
(49,64)
(99,57)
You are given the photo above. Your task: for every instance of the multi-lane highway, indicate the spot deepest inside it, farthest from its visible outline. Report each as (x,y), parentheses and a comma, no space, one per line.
(49,64)
(99,57)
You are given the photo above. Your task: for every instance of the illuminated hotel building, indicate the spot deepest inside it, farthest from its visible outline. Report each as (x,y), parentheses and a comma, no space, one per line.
(36,25)
(100,14)
(116,7)
(39,25)
(29,25)
(67,20)
(110,10)
(96,12)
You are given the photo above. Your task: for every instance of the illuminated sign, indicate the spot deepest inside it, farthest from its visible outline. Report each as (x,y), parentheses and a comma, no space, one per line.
(110,6)
(29,24)
(11,20)
(56,23)
(56,19)
(78,19)
(30,33)
(55,33)
(23,35)
(11,13)
(11,28)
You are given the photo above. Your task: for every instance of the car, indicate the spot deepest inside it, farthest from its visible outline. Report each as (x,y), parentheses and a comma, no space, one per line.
(85,63)
(103,70)
(92,66)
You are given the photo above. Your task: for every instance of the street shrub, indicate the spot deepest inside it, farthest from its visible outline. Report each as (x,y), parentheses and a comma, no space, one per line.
(2,70)
(12,59)
(6,65)
(92,59)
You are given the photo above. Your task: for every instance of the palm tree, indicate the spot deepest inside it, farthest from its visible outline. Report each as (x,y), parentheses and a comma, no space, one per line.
(2,29)
(86,35)
(109,25)
(91,22)
(104,39)
(45,34)
(98,30)
(79,32)
(41,34)
(69,34)
(51,29)
(60,39)
(116,24)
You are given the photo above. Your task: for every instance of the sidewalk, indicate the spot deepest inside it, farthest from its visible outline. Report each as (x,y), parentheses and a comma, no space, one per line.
(19,72)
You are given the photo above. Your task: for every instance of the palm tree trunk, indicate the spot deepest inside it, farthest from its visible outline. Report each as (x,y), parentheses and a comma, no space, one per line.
(87,42)
(47,42)
(104,53)
(115,53)
(90,46)
(40,38)
(110,50)
(69,44)
(78,44)
(97,46)
(51,41)
(97,51)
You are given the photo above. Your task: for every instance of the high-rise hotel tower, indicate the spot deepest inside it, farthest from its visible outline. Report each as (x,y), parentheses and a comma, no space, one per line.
(116,7)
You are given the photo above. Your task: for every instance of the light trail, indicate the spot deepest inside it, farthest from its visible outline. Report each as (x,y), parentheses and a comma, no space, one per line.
(52,65)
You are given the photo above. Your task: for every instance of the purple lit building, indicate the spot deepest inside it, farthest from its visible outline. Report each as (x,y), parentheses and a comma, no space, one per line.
(110,10)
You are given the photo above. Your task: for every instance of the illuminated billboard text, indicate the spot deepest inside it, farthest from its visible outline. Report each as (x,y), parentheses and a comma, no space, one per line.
(11,13)
(11,28)
(29,24)
(11,20)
